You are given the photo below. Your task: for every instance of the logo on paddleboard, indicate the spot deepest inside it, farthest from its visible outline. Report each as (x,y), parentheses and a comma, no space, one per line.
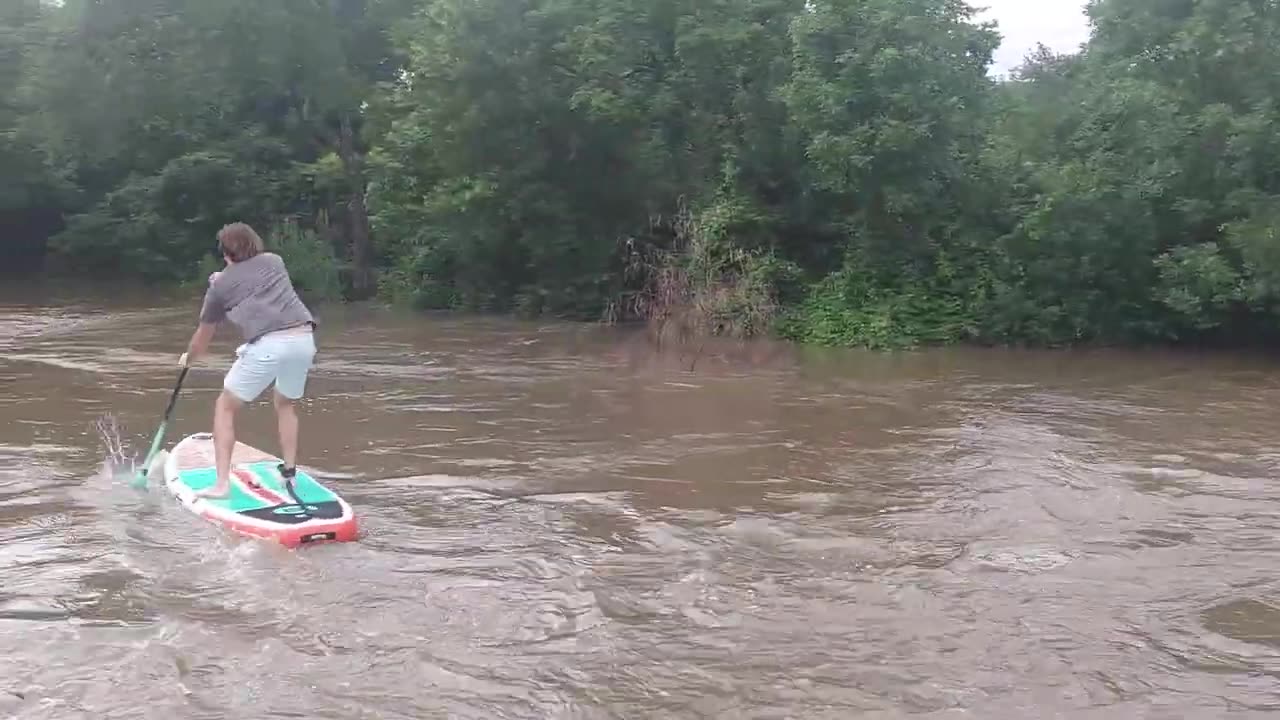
(294,510)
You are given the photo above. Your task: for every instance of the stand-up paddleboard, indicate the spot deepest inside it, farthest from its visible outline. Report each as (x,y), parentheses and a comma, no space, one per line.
(259,504)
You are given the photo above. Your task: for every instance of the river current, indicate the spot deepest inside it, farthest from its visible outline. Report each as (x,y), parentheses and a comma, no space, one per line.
(560,521)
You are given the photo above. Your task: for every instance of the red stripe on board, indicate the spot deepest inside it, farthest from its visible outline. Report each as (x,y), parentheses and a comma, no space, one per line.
(251,486)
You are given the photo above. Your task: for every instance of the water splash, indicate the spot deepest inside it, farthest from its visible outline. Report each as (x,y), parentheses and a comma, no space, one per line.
(118,463)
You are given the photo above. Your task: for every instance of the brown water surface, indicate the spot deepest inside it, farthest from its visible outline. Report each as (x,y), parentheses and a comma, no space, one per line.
(559,523)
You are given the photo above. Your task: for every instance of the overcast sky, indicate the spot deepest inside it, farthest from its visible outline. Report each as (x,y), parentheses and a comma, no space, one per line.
(1059,24)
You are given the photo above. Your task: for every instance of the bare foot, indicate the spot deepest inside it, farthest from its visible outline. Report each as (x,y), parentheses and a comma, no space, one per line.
(217,492)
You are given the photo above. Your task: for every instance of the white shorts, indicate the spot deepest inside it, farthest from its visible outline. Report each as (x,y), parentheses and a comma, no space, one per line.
(282,358)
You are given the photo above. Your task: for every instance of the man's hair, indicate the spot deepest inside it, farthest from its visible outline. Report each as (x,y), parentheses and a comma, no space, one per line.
(239,242)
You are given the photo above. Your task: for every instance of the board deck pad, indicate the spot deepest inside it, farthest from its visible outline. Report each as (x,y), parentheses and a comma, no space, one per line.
(259,503)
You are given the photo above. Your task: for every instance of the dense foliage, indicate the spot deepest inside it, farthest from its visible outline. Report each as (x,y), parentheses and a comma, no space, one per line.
(834,171)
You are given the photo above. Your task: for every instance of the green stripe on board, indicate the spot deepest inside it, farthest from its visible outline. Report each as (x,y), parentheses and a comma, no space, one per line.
(308,490)
(237,501)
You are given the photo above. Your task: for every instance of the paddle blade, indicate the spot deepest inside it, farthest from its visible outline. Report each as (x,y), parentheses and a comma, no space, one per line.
(154,469)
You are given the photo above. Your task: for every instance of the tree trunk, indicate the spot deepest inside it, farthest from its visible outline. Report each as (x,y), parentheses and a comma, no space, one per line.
(357,214)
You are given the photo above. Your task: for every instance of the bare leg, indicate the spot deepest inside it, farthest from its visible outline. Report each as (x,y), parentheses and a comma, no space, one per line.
(287,423)
(224,441)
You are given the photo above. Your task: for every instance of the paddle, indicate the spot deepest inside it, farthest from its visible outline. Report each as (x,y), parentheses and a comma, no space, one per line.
(140,477)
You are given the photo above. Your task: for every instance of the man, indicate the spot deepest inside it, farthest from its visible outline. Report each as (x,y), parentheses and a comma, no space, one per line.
(255,294)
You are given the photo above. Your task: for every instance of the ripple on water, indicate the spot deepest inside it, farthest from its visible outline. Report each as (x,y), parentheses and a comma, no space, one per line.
(935,535)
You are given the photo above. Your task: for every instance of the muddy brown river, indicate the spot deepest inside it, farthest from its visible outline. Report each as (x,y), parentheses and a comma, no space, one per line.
(560,522)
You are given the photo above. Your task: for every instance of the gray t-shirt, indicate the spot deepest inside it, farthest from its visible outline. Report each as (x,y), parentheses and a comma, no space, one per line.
(257,296)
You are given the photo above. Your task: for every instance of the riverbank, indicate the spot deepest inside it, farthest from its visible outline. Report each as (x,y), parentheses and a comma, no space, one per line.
(644,341)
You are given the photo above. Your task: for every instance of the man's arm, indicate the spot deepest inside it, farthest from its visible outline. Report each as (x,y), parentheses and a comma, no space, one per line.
(211,314)
(200,340)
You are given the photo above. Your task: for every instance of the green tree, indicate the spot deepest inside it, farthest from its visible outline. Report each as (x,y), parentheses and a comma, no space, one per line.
(208,112)
(1139,155)
(837,171)
(32,194)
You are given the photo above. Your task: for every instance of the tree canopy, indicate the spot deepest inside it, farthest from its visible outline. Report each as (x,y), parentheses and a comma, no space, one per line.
(843,172)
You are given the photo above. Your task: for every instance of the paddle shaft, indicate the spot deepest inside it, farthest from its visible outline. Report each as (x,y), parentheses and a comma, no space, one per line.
(141,475)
